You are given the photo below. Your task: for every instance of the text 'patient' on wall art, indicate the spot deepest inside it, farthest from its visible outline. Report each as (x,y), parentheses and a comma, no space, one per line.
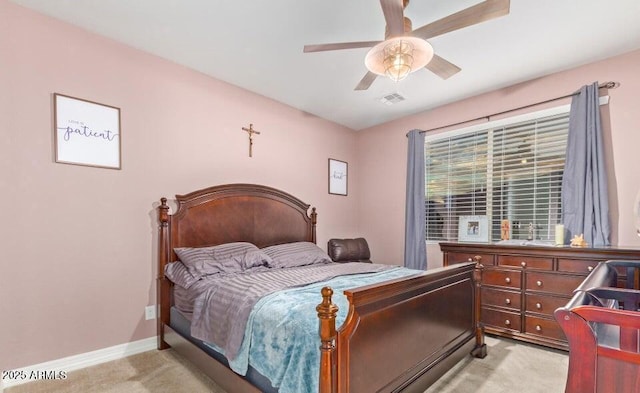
(86,133)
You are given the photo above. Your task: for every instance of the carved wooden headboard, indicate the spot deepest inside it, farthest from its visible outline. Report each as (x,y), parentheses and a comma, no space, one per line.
(228,213)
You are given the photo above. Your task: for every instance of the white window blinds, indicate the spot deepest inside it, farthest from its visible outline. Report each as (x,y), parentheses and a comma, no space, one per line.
(512,171)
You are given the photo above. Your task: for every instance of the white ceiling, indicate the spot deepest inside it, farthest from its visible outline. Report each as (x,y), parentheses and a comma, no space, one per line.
(258,45)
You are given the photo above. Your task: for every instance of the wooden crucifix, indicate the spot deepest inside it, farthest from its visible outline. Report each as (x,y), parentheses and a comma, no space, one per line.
(251,131)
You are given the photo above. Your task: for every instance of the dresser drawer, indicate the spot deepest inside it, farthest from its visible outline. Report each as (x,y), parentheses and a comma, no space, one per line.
(459,257)
(543,304)
(583,266)
(526,262)
(501,319)
(552,282)
(543,327)
(501,298)
(504,278)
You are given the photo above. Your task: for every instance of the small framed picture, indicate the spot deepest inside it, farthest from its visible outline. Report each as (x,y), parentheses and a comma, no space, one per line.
(337,177)
(86,133)
(473,229)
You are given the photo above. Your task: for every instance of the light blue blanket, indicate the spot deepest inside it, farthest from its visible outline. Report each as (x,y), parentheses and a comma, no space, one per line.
(282,331)
(221,313)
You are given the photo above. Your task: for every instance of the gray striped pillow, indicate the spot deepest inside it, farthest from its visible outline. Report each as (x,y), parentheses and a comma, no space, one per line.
(178,274)
(224,258)
(296,254)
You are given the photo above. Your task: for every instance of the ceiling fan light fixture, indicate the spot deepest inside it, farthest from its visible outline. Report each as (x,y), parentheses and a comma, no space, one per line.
(398,57)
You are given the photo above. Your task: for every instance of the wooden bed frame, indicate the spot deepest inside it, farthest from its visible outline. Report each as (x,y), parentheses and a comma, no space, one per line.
(400,335)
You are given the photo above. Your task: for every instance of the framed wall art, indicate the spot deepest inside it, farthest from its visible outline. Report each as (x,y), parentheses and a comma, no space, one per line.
(86,132)
(337,177)
(473,229)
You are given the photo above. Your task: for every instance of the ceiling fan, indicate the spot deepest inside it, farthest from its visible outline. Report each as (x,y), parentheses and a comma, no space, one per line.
(405,50)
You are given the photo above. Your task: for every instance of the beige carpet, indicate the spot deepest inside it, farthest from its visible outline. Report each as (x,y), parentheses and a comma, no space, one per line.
(509,367)
(153,371)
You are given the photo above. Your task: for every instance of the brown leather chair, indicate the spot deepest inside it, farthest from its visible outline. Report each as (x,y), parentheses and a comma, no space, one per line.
(349,250)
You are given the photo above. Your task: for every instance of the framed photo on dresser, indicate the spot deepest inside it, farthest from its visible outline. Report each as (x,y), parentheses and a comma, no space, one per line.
(473,229)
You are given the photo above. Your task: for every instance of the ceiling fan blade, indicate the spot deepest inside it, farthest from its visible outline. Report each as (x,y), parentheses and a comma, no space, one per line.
(366,81)
(478,13)
(338,46)
(442,67)
(394,16)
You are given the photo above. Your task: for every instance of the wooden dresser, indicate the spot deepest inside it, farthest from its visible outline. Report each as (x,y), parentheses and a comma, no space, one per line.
(523,285)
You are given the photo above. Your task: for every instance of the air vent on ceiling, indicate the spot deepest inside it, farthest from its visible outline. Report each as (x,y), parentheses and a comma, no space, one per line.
(392,98)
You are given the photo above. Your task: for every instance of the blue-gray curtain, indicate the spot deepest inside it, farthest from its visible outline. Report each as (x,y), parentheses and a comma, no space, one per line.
(585,202)
(415,248)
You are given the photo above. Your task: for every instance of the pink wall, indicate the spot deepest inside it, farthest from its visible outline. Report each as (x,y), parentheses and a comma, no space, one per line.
(382,150)
(80,243)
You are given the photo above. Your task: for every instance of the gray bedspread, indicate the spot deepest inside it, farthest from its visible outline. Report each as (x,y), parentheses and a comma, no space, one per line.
(220,313)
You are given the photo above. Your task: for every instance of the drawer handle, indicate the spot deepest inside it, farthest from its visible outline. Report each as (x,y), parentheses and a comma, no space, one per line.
(470,260)
(507,322)
(507,300)
(590,268)
(507,280)
(539,283)
(538,328)
(538,306)
(523,264)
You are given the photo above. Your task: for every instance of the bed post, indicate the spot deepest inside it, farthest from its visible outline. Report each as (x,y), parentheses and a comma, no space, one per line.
(327,315)
(480,350)
(162,284)
(314,221)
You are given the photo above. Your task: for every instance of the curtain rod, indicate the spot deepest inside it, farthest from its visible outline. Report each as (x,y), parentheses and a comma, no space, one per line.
(606,85)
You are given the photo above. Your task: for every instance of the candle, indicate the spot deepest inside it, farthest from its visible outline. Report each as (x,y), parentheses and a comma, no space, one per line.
(559,234)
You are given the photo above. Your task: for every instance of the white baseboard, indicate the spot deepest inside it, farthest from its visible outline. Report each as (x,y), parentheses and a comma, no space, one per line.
(82,360)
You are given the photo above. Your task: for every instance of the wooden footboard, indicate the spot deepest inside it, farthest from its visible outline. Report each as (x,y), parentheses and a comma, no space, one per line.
(398,334)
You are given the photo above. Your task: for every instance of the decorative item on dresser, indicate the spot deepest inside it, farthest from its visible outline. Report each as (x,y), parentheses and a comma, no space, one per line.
(375,349)
(474,229)
(522,285)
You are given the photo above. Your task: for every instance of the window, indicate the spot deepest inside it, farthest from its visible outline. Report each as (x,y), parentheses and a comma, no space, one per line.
(509,169)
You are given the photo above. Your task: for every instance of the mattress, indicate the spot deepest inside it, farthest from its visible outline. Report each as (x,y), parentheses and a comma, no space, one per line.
(182,324)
